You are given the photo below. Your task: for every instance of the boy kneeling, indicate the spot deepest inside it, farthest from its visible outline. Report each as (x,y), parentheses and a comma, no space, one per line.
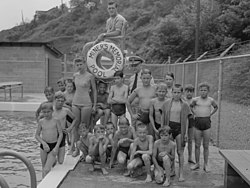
(163,156)
(141,151)
(97,148)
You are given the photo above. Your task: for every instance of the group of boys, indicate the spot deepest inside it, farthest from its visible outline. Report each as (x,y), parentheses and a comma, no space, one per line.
(145,141)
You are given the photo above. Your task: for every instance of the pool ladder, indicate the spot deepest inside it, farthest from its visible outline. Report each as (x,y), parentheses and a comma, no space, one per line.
(30,167)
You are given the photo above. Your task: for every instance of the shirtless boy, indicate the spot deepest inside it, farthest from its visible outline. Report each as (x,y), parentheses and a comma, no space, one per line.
(144,94)
(122,141)
(98,144)
(202,109)
(163,156)
(141,152)
(118,97)
(83,143)
(175,114)
(51,138)
(61,114)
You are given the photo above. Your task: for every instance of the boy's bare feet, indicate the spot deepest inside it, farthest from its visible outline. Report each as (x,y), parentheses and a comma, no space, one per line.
(75,153)
(181,179)
(126,174)
(70,152)
(148,179)
(166,183)
(104,171)
(195,167)
(91,168)
(206,168)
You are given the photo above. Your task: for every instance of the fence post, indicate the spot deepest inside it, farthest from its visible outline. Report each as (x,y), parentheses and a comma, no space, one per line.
(183,75)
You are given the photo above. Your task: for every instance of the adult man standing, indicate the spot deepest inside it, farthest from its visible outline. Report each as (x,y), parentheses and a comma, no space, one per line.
(113,28)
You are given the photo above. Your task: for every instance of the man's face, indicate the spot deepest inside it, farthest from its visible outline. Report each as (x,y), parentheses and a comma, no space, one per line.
(112,10)
(136,68)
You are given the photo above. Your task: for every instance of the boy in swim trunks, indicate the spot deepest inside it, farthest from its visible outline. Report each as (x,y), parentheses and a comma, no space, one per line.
(141,152)
(122,141)
(102,106)
(51,132)
(202,110)
(189,93)
(117,98)
(144,94)
(155,108)
(83,143)
(98,144)
(61,113)
(163,156)
(175,114)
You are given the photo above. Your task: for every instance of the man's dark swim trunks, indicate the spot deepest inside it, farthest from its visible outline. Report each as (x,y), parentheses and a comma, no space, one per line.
(51,146)
(118,109)
(202,123)
(175,129)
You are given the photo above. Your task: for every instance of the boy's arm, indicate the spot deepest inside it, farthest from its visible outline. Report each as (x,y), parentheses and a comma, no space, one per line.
(104,145)
(172,152)
(93,87)
(113,151)
(192,105)
(60,134)
(111,93)
(129,101)
(215,106)
(38,111)
(154,156)
(151,117)
(92,145)
(133,150)
(150,147)
(38,132)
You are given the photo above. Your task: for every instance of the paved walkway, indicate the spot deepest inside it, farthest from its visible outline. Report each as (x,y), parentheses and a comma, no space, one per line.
(80,177)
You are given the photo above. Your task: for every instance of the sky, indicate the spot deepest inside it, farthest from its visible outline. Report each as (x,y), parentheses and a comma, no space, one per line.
(11,10)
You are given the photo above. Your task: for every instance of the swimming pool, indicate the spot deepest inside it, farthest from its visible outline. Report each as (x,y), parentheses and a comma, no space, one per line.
(17,130)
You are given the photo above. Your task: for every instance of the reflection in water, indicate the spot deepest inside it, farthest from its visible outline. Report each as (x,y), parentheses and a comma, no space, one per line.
(17,131)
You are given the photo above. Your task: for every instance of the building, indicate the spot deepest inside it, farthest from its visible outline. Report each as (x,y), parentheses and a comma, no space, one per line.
(36,64)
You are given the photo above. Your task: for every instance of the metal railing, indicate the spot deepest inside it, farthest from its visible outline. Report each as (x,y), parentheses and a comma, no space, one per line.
(33,183)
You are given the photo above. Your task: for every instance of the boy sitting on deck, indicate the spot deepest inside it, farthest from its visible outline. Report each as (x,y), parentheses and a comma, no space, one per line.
(144,94)
(202,110)
(110,132)
(118,97)
(122,141)
(98,144)
(163,156)
(141,152)
(51,132)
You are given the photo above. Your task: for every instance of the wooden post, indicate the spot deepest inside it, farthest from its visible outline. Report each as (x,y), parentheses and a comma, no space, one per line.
(196,77)
(183,75)
(219,101)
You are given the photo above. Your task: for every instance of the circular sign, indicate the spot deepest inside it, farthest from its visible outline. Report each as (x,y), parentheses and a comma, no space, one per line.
(95,51)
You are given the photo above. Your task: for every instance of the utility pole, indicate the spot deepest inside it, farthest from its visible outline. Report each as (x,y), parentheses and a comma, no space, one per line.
(197,30)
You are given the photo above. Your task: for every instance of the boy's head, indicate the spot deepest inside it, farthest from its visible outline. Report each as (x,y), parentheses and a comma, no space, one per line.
(169,78)
(177,92)
(161,90)
(164,133)
(204,89)
(59,99)
(102,87)
(61,84)
(189,91)
(47,109)
(70,86)
(118,77)
(123,125)
(146,77)
(141,131)
(83,130)
(110,128)
(99,130)
(49,93)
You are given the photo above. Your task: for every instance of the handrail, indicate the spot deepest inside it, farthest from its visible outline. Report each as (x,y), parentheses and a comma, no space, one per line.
(26,162)
(3,183)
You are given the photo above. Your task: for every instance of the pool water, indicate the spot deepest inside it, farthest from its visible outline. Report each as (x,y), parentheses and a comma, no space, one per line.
(17,133)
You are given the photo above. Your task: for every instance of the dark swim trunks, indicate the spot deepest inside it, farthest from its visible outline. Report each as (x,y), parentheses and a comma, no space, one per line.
(191,122)
(202,123)
(118,109)
(124,150)
(157,125)
(143,117)
(51,146)
(62,144)
(175,128)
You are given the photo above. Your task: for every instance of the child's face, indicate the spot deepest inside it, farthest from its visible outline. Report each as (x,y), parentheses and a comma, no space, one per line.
(47,113)
(83,132)
(69,87)
(161,93)
(165,137)
(204,92)
(61,86)
(99,132)
(102,88)
(146,78)
(59,103)
(123,127)
(142,133)
(110,129)
(169,81)
(176,93)
(49,96)
(189,94)
(118,80)
(80,66)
